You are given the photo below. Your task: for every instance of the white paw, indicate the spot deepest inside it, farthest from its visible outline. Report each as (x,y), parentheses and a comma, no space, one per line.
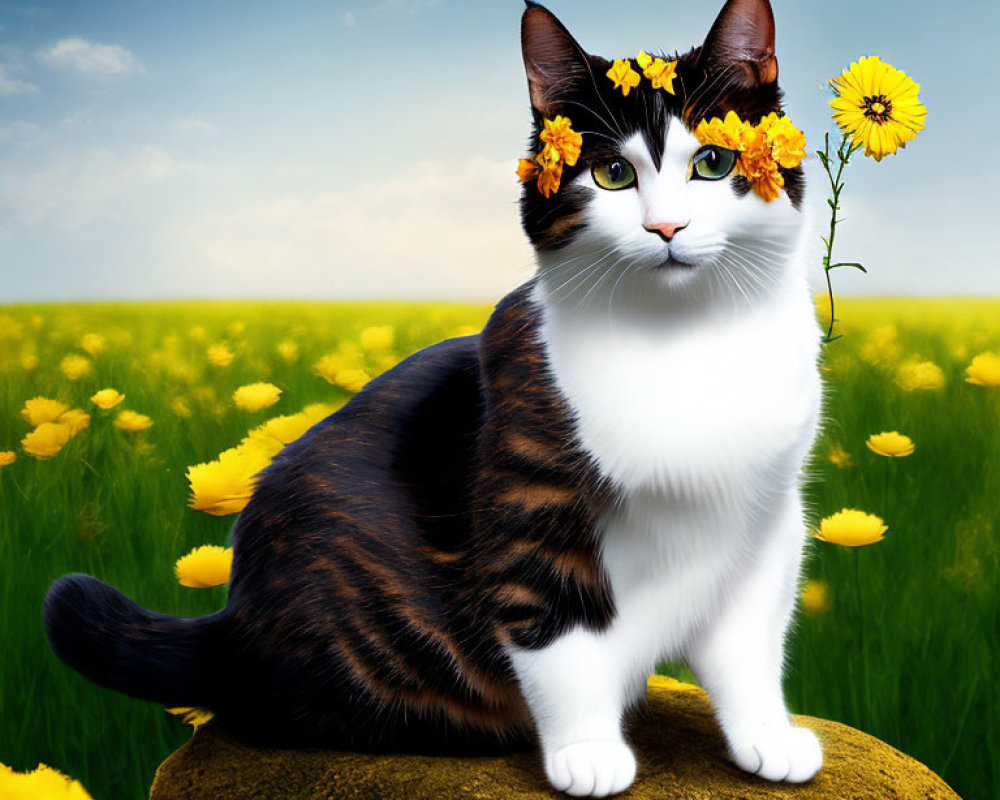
(592,768)
(792,755)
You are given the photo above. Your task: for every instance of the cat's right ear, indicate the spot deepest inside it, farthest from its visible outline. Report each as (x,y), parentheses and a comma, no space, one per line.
(553,60)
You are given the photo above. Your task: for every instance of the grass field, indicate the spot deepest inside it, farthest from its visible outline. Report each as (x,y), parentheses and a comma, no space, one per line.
(905,645)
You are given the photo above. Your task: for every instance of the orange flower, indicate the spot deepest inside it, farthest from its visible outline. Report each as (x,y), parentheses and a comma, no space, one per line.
(565,141)
(623,75)
(527,169)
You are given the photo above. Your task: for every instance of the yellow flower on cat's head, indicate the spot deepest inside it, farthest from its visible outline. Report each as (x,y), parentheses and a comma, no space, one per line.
(852,528)
(878,106)
(256,396)
(565,141)
(42,783)
(624,77)
(984,370)
(762,148)
(132,421)
(39,410)
(661,73)
(891,444)
(205,566)
(107,398)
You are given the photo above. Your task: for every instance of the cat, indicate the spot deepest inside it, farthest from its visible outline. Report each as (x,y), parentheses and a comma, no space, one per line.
(493,543)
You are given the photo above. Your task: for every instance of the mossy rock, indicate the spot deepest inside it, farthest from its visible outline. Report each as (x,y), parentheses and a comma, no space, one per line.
(679,747)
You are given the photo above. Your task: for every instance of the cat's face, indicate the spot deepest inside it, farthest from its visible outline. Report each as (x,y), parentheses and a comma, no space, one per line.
(646,205)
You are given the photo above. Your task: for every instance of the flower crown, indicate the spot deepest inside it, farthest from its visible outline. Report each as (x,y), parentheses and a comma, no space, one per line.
(762,149)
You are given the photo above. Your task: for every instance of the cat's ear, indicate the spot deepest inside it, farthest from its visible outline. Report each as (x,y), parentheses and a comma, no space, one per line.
(553,60)
(741,42)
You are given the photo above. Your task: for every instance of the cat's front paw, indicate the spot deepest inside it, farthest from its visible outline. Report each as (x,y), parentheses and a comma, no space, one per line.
(792,755)
(595,768)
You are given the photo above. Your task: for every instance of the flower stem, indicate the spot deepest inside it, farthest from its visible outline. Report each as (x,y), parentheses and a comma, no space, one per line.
(843,154)
(866,706)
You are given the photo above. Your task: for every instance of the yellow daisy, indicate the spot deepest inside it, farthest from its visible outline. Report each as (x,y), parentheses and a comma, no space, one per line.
(7,457)
(984,370)
(892,444)
(256,396)
(132,422)
(220,355)
(39,410)
(916,375)
(205,566)
(878,106)
(75,367)
(46,440)
(42,783)
(851,528)
(107,398)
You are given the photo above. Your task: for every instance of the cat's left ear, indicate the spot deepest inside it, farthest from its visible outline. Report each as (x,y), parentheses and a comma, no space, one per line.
(553,60)
(741,42)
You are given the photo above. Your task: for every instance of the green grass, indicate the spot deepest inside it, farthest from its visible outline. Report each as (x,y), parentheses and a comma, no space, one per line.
(919,672)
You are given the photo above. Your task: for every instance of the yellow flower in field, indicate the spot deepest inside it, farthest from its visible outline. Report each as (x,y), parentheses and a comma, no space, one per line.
(7,457)
(237,328)
(851,528)
(107,398)
(878,106)
(93,343)
(132,421)
(882,346)
(840,458)
(984,370)
(917,375)
(377,338)
(816,597)
(42,783)
(330,365)
(891,444)
(29,362)
(624,77)
(10,328)
(205,566)
(220,355)
(76,419)
(75,367)
(225,486)
(464,330)
(256,396)
(39,410)
(46,440)
(353,380)
(289,351)
(180,408)
(195,717)
(198,333)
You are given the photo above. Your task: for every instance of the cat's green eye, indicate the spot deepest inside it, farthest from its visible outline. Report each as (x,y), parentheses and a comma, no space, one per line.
(712,163)
(613,174)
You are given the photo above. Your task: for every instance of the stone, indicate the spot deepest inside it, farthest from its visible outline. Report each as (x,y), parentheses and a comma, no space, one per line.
(679,747)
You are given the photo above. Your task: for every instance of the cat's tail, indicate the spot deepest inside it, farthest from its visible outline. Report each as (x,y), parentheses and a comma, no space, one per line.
(118,644)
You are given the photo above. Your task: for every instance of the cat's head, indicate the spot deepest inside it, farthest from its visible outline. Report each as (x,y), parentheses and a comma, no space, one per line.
(647,204)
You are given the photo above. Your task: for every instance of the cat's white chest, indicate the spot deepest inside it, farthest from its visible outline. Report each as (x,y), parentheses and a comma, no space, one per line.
(693,406)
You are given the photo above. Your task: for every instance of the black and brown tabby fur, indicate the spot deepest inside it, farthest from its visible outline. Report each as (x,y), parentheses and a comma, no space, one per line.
(389,554)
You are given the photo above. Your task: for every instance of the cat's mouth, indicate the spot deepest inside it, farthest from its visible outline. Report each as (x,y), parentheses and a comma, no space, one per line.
(673,262)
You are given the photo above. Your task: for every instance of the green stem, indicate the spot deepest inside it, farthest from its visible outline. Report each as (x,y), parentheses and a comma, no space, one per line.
(866,706)
(843,155)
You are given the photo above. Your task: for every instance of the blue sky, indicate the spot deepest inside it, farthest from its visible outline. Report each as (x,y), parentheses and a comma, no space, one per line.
(365,148)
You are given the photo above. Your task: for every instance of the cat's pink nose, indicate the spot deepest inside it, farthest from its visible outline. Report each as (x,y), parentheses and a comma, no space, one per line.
(667,230)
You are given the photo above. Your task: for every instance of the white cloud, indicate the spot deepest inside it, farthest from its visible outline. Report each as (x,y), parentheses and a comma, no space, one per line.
(194,125)
(90,58)
(10,82)
(72,192)
(349,19)
(436,231)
